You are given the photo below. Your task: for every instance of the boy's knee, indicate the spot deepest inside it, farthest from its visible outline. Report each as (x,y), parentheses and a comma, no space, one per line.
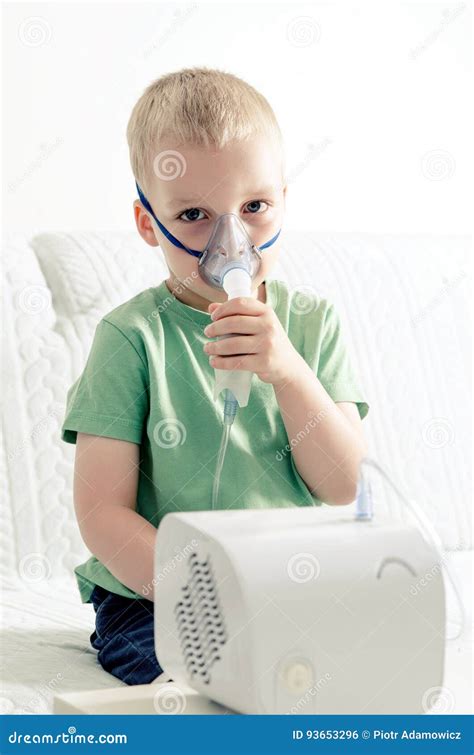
(129,661)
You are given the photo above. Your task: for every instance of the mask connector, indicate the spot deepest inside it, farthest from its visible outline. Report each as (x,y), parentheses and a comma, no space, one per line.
(230,407)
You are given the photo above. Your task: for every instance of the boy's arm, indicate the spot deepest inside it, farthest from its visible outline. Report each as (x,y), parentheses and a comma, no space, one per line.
(328,443)
(105,498)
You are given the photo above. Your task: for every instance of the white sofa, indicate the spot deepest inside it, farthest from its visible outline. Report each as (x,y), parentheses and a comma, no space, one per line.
(404,305)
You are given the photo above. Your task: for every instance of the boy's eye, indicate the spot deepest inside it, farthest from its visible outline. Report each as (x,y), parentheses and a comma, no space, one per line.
(256,206)
(192,214)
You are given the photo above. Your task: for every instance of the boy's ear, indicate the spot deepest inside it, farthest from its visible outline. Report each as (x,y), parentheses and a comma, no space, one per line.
(143,223)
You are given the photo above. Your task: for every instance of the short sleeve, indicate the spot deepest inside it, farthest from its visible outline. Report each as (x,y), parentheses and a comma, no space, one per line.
(335,370)
(110,398)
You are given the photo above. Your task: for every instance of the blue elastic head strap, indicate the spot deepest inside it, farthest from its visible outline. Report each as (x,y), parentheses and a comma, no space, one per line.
(176,241)
(162,228)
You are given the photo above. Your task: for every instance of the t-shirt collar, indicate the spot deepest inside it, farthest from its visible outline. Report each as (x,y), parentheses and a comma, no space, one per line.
(169,302)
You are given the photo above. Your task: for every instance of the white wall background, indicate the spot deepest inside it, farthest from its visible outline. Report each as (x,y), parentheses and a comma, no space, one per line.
(372,99)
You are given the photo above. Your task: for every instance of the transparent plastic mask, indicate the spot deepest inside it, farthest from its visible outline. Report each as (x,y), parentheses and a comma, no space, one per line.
(229,247)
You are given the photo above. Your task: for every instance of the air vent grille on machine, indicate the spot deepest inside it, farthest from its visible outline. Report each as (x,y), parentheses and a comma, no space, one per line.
(199,618)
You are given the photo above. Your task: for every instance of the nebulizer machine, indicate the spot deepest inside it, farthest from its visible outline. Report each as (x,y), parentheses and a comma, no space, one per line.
(296,610)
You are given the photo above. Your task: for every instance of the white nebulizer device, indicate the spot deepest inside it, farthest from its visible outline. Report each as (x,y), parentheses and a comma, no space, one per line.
(304,610)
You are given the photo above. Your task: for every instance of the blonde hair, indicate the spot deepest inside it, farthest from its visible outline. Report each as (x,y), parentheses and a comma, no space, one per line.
(199,107)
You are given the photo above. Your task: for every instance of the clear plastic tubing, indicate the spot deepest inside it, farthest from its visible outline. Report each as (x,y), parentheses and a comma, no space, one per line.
(230,410)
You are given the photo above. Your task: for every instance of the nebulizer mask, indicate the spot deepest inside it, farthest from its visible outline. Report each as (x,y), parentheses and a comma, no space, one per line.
(229,262)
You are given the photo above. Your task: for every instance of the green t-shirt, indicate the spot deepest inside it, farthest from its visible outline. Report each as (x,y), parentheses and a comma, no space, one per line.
(147,380)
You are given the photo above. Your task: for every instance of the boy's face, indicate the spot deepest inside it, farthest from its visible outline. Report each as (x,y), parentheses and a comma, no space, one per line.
(192,186)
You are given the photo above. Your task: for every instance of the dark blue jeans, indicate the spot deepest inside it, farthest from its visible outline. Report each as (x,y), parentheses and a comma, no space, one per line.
(124,636)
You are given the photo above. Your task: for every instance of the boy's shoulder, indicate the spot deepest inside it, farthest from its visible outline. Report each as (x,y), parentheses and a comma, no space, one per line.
(132,319)
(135,313)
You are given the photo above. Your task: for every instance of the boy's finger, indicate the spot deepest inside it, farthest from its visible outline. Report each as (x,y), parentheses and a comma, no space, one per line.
(233,324)
(241,305)
(213,305)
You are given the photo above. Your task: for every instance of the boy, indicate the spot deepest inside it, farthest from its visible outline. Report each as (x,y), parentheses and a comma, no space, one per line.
(202,143)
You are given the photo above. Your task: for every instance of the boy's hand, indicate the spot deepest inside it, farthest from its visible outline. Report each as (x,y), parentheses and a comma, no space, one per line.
(259,342)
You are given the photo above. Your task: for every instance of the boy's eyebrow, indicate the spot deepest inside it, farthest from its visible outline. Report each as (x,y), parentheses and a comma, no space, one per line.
(199,199)
(178,202)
